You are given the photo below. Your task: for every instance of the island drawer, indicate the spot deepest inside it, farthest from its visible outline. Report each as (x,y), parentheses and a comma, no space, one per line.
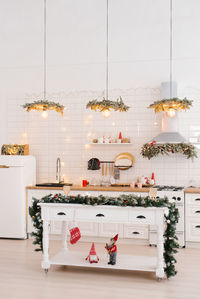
(136,231)
(193,199)
(61,213)
(142,217)
(193,211)
(193,231)
(101,214)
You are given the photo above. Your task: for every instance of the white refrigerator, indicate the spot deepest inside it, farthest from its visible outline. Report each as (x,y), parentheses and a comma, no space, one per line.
(16,172)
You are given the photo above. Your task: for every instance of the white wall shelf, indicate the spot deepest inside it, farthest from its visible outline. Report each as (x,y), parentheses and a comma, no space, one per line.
(110,143)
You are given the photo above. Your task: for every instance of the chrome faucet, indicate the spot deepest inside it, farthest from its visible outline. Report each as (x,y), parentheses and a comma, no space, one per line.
(58,170)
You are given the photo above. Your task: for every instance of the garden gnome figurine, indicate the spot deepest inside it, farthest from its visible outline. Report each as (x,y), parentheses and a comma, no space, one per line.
(112,250)
(92,257)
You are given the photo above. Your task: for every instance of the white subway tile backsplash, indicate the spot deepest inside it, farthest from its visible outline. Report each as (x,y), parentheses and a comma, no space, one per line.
(68,137)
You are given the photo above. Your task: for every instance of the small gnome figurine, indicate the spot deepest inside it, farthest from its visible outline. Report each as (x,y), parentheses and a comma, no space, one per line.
(112,250)
(93,258)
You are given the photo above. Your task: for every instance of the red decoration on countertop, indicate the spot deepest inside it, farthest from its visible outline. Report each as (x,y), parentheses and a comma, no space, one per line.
(153,177)
(120,135)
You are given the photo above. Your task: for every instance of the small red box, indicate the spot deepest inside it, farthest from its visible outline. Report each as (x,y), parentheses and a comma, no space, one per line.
(84,183)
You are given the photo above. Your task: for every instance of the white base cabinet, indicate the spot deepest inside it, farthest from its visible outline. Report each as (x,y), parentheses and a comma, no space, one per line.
(192,209)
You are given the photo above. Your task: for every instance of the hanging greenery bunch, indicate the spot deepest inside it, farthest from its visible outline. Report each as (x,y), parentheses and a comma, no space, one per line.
(107,105)
(43,106)
(170,238)
(153,149)
(174,103)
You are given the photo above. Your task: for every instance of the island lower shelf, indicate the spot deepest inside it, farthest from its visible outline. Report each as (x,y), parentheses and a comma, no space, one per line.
(124,262)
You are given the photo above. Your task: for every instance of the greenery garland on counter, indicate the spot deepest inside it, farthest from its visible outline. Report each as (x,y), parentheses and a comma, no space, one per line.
(107,105)
(43,106)
(170,238)
(174,103)
(153,149)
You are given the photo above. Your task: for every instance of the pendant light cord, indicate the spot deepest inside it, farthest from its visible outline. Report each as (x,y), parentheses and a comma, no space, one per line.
(171,46)
(107,7)
(45,34)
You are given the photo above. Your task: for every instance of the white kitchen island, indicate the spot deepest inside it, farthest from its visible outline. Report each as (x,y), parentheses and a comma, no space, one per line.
(94,230)
(66,213)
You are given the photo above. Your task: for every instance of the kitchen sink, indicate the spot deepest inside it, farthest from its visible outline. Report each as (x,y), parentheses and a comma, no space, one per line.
(53,184)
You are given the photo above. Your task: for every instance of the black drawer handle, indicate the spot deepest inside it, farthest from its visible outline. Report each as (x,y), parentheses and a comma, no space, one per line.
(100,215)
(197,199)
(141,217)
(135,233)
(197,211)
(61,213)
(197,226)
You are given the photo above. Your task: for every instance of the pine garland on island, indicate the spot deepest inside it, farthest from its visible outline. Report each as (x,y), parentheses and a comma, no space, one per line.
(170,238)
(153,149)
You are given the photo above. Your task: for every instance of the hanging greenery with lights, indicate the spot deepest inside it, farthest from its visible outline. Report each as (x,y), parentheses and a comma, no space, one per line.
(153,149)
(170,238)
(168,104)
(107,105)
(44,106)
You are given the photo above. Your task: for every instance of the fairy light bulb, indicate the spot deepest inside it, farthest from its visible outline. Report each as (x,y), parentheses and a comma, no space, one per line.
(106,113)
(44,114)
(171,113)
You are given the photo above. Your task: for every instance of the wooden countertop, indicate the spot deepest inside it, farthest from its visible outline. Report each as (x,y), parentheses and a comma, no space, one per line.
(192,190)
(93,188)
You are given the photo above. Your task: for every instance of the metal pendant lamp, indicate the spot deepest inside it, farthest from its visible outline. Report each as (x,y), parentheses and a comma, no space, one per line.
(44,105)
(105,106)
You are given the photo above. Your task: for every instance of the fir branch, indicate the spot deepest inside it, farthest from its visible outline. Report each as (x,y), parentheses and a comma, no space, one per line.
(107,105)
(153,149)
(44,105)
(174,103)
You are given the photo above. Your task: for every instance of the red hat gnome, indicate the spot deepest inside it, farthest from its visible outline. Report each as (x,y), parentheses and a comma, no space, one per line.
(112,250)
(116,238)
(93,258)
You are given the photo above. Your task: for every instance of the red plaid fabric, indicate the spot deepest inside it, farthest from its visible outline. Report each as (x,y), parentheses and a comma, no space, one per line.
(75,235)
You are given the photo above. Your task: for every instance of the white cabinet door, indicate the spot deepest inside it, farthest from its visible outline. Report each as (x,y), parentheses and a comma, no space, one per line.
(56,228)
(13,203)
(88,228)
(110,230)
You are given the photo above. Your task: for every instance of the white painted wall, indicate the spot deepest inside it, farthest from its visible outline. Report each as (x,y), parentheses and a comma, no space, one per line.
(139,62)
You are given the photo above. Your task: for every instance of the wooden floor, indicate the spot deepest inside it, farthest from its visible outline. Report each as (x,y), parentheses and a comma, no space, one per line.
(21,276)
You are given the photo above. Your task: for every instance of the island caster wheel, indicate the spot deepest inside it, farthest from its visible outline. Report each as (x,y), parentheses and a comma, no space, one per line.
(159,279)
(46,271)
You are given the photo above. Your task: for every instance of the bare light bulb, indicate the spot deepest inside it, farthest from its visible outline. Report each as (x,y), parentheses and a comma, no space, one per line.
(171,113)
(106,113)
(44,114)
